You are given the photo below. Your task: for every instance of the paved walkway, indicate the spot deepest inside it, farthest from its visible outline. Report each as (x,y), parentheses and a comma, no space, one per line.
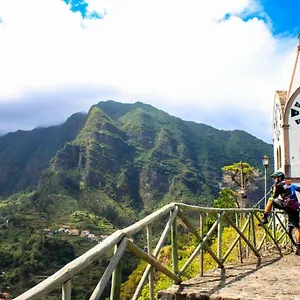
(274,278)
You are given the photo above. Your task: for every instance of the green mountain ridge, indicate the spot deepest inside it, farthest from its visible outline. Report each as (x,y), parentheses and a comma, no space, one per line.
(126,150)
(25,154)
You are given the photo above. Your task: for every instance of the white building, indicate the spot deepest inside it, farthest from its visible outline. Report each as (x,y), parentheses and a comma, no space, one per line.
(286,127)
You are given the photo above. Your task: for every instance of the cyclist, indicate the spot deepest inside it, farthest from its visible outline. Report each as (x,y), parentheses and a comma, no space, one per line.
(284,197)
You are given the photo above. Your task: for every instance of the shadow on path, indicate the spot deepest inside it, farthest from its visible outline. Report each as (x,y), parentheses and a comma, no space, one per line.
(223,283)
(216,281)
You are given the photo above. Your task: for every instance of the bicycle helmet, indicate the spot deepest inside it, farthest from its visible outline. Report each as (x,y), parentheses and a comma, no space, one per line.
(278,174)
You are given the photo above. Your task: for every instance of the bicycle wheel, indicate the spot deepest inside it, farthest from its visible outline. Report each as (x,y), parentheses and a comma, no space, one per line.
(291,233)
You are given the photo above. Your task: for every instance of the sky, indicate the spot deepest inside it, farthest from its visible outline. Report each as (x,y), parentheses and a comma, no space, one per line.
(216,62)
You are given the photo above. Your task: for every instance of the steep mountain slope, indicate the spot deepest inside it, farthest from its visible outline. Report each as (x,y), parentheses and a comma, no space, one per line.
(24,154)
(138,156)
(134,154)
(127,150)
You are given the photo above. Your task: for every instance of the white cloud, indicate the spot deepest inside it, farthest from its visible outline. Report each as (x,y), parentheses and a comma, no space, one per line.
(171,53)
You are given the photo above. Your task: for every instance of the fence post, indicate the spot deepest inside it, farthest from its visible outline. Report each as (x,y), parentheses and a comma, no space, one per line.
(274,225)
(116,280)
(237,221)
(67,290)
(202,220)
(150,276)
(220,231)
(249,236)
(253,230)
(174,246)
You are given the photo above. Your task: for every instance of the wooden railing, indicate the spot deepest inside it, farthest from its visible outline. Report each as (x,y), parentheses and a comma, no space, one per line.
(121,240)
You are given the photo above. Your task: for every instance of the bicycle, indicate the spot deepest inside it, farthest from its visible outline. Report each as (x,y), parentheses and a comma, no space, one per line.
(290,228)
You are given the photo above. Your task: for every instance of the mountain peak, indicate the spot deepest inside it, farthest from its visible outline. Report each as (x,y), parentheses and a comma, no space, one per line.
(129,151)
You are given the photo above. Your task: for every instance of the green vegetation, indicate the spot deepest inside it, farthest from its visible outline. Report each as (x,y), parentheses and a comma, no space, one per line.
(25,154)
(186,245)
(240,174)
(103,171)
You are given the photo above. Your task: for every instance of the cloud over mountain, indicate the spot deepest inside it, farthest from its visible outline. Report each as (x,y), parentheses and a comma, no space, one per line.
(200,60)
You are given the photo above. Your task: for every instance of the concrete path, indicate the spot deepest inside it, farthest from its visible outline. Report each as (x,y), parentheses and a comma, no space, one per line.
(274,278)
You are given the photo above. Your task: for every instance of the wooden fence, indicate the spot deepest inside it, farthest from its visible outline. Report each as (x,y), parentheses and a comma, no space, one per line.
(120,240)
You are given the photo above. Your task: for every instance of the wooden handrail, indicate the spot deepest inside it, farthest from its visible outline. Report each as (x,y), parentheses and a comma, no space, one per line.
(123,239)
(193,208)
(72,268)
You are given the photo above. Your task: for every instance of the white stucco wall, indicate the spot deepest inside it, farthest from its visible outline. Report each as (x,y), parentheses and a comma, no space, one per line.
(294,139)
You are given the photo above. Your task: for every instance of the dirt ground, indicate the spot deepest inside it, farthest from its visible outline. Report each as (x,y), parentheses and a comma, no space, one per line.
(274,277)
